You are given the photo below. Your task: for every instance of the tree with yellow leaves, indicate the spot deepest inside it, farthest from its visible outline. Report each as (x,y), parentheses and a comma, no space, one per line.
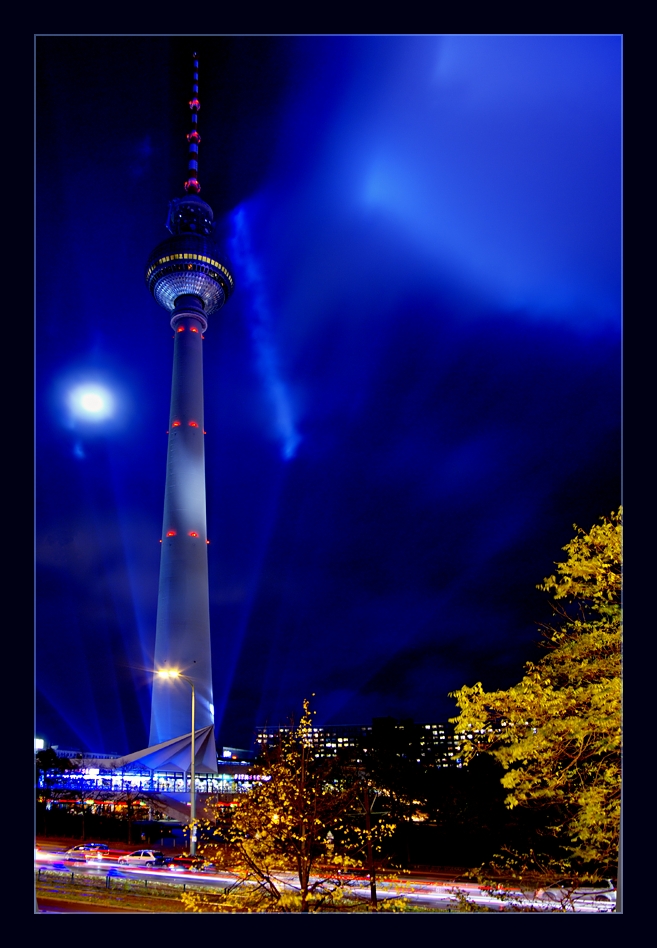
(557,733)
(293,837)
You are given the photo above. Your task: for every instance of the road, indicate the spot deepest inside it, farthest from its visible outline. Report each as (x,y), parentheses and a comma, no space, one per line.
(420,890)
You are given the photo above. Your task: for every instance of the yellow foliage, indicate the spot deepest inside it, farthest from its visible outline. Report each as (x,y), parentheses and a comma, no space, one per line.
(593,568)
(557,732)
(280,852)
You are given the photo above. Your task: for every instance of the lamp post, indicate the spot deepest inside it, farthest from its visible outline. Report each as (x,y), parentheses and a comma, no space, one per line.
(172,673)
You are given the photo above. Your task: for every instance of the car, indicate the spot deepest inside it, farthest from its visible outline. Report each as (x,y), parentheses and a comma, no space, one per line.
(605,893)
(189,864)
(150,858)
(87,852)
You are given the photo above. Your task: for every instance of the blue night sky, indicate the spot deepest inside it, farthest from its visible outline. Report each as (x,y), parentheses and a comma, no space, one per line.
(412,396)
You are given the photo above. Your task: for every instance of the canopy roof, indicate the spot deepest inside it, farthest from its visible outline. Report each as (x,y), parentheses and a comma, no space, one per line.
(172,755)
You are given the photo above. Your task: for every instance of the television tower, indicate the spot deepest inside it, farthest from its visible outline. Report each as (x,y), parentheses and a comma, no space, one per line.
(191,279)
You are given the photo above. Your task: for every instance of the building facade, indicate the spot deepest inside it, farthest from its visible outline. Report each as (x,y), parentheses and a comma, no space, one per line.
(433,744)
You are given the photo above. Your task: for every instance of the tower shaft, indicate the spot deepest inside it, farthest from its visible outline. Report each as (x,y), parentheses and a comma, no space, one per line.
(182,639)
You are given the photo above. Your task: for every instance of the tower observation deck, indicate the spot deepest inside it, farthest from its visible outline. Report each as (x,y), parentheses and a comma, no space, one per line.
(191,279)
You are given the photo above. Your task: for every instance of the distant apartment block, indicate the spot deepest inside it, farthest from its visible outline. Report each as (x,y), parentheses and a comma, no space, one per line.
(431,744)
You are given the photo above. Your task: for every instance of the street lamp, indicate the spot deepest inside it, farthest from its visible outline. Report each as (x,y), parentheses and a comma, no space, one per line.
(172,673)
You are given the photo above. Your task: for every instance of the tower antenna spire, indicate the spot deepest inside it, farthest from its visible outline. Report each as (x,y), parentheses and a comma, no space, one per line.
(192,185)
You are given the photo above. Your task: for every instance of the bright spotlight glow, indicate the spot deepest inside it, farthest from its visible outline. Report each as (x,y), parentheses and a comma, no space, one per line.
(91,402)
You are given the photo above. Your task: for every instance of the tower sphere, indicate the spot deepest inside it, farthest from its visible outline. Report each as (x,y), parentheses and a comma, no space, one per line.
(189,263)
